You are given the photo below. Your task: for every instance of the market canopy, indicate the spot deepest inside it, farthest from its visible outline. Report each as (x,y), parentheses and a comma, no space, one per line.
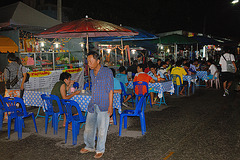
(7,45)
(25,17)
(142,35)
(86,27)
(203,40)
(176,39)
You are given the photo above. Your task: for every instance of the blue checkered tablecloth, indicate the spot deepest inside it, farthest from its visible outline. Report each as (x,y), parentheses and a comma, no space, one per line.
(33,98)
(160,87)
(190,78)
(202,75)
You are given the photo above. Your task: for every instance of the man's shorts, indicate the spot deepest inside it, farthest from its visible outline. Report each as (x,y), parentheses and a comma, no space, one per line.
(227,76)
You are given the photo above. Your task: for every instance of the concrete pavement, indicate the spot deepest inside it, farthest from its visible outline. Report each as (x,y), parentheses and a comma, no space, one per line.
(203,126)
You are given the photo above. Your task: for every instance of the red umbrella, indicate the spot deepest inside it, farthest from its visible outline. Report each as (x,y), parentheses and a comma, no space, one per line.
(86,27)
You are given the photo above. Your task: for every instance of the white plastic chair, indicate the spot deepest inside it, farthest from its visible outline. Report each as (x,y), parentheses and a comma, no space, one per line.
(216,80)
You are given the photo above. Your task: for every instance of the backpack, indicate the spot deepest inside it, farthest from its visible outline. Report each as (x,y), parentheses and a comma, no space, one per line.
(230,66)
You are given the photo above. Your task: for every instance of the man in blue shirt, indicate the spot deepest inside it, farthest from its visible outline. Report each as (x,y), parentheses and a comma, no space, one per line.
(100,107)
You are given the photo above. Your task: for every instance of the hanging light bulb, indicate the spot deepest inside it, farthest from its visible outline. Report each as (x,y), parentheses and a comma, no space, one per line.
(42,42)
(57,44)
(109,51)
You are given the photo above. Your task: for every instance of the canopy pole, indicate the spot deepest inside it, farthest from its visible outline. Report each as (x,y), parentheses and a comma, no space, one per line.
(175,53)
(115,56)
(88,67)
(87,45)
(122,52)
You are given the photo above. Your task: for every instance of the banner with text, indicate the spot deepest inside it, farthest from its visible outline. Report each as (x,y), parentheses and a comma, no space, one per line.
(47,79)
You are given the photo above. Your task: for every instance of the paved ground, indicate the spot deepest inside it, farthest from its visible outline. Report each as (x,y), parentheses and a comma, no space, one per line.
(204,126)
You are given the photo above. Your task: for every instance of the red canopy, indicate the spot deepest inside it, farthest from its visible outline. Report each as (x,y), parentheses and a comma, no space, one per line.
(86,27)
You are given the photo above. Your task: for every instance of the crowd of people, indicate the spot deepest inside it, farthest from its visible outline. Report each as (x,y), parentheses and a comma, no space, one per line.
(163,69)
(105,82)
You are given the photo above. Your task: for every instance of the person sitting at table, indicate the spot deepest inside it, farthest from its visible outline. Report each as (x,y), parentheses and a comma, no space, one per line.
(192,68)
(153,73)
(168,65)
(133,67)
(196,64)
(163,69)
(186,66)
(122,77)
(212,69)
(181,72)
(117,89)
(60,89)
(142,76)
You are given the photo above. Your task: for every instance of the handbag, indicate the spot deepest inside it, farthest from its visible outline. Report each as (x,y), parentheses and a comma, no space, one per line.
(13,82)
(230,66)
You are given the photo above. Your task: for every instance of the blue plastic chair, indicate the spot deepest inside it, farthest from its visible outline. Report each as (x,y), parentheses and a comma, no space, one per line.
(48,108)
(76,85)
(176,78)
(13,106)
(86,85)
(3,109)
(165,76)
(138,112)
(74,119)
(124,94)
(140,85)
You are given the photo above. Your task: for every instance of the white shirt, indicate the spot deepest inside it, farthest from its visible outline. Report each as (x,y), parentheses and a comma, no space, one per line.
(223,62)
(213,69)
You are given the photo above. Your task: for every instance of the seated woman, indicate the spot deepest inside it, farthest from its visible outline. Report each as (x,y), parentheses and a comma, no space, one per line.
(60,89)
(153,74)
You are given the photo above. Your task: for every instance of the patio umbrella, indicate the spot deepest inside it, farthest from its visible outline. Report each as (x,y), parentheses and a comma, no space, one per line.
(86,27)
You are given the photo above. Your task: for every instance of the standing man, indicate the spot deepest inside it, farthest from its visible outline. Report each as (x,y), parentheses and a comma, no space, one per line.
(100,107)
(227,61)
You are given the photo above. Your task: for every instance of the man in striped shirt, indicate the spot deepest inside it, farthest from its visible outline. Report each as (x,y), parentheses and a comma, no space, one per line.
(100,107)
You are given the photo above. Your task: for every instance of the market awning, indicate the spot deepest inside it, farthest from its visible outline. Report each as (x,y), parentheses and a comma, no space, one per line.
(176,39)
(7,45)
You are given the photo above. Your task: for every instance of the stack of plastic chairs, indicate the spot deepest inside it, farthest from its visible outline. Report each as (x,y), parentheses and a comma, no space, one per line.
(17,113)
(138,112)
(74,119)
(48,109)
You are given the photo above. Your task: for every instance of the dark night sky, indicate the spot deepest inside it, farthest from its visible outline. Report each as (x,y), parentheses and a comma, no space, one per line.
(221,17)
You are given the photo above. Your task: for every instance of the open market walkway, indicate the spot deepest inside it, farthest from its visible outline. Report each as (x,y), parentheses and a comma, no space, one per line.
(203,126)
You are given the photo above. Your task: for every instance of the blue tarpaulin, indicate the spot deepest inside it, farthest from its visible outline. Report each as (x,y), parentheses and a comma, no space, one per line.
(143,35)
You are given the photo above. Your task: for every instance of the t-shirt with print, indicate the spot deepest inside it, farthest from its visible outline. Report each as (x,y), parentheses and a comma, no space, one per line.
(179,71)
